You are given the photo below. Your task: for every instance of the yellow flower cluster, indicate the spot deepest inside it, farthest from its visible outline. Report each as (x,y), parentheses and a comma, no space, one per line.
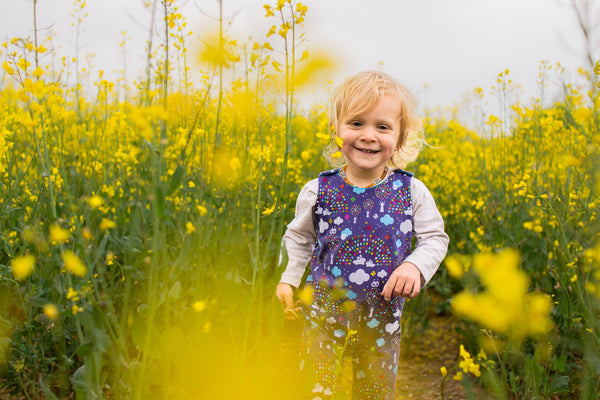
(73,264)
(467,364)
(592,266)
(505,307)
(22,266)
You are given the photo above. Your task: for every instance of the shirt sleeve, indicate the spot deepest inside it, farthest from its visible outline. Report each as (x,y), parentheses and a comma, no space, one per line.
(300,235)
(428,228)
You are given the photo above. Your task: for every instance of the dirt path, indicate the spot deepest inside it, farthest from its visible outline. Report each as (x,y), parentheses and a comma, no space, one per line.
(421,358)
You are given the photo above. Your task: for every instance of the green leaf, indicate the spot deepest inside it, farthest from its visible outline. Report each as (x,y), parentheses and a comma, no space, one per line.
(560,384)
(78,380)
(84,349)
(159,202)
(46,389)
(175,180)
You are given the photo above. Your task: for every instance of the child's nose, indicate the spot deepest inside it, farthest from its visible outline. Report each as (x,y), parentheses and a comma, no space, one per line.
(368,134)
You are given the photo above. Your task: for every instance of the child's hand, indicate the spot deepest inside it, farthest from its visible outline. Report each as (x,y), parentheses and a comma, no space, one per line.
(285,294)
(405,281)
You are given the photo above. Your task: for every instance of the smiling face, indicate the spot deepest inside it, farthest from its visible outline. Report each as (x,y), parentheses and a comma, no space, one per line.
(370,139)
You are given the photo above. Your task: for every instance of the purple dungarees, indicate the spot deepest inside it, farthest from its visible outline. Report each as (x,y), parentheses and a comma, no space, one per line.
(363,234)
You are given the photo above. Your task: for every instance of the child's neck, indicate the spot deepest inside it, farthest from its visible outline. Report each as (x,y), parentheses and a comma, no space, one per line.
(366,179)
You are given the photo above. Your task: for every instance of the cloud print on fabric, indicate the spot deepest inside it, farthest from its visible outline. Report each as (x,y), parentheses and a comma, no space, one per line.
(387,220)
(406,226)
(359,277)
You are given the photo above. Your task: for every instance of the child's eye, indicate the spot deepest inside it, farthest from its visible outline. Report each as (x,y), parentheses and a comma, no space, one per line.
(355,123)
(383,127)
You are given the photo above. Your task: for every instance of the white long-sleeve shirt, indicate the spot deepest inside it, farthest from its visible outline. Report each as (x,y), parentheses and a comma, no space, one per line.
(428,228)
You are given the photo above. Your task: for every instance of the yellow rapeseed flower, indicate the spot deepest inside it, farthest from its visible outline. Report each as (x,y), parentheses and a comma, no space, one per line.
(38,72)
(467,364)
(583,115)
(305,156)
(539,307)
(506,307)
(106,224)
(201,210)
(306,294)
(95,201)
(8,68)
(72,294)
(73,264)
(199,306)
(189,227)
(86,233)
(110,257)
(269,210)
(58,235)
(337,154)
(235,163)
(454,267)
(22,266)
(51,311)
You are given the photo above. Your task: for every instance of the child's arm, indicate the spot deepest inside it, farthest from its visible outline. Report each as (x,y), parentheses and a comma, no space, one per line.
(432,243)
(297,242)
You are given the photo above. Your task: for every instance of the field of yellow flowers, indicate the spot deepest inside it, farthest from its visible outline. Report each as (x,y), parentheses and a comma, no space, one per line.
(140,226)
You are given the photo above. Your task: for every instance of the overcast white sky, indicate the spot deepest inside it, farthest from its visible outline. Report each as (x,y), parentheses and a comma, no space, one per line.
(452,46)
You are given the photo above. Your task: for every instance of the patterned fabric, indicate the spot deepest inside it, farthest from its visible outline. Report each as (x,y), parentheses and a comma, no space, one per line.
(362,235)
(372,343)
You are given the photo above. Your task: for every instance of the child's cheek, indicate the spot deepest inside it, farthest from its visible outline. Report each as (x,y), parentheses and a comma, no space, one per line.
(346,148)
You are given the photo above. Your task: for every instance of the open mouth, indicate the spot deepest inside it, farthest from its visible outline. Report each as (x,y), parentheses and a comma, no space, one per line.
(369,151)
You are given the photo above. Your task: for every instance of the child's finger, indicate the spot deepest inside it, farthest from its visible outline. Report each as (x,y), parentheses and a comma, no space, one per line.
(285,295)
(414,290)
(388,288)
(292,313)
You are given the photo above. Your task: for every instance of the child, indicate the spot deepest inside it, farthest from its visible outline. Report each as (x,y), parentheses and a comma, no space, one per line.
(355,225)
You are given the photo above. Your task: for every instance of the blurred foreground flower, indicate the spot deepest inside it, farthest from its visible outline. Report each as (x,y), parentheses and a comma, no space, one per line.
(22,266)
(106,224)
(592,266)
(201,210)
(199,306)
(73,264)
(306,295)
(95,201)
(58,235)
(505,307)
(51,311)
(190,228)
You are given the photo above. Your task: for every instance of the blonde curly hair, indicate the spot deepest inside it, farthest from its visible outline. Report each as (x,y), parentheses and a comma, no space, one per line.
(361,93)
